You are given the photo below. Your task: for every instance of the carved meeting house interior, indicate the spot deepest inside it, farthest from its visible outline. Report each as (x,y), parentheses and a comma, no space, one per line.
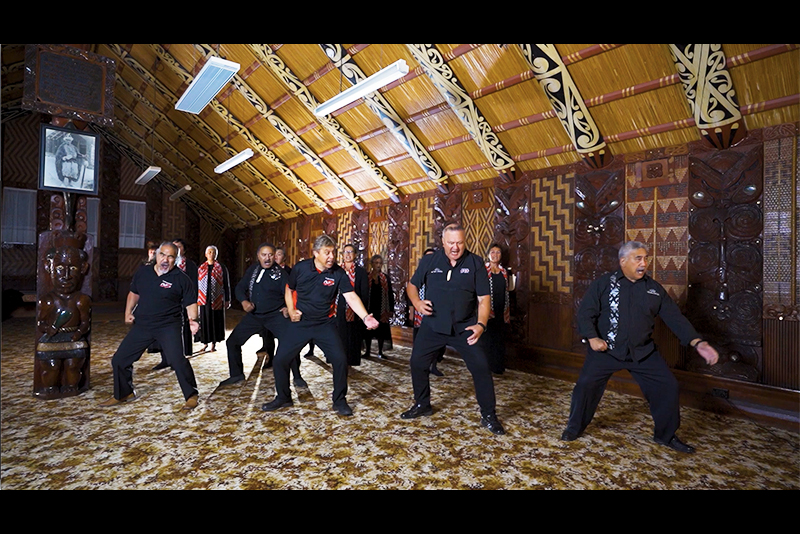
(560,153)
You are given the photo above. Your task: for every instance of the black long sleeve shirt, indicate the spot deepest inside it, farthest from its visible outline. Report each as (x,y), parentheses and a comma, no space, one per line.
(639,304)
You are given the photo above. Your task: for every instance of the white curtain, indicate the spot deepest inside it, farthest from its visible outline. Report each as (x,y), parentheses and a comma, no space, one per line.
(19,215)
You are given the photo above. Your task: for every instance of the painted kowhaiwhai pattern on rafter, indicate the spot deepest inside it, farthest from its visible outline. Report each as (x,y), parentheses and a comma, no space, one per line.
(551,234)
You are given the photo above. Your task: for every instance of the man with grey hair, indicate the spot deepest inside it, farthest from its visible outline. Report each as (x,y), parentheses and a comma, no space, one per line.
(616,319)
(161,303)
(454,312)
(311,295)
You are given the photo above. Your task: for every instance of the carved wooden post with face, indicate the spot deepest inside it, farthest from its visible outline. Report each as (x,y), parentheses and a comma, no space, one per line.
(63,316)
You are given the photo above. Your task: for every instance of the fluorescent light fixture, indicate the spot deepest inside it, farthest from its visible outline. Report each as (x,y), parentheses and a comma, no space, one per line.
(385,76)
(205,86)
(180,192)
(147,175)
(234,161)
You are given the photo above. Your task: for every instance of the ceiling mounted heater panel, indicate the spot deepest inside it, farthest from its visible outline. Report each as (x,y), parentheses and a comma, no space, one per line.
(207,84)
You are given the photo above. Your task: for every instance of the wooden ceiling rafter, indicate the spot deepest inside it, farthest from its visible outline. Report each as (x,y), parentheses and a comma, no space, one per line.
(167,94)
(223,142)
(187,139)
(294,86)
(162,178)
(468,112)
(168,164)
(564,95)
(261,107)
(350,70)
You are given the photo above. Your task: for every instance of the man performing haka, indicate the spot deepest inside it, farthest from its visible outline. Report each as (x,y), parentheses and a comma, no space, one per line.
(316,283)
(455,311)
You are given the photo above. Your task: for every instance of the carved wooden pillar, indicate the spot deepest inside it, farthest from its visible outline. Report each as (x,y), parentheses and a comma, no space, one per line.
(599,229)
(725,259)
(397,259)
(447,209)
(360,236)
(511,229)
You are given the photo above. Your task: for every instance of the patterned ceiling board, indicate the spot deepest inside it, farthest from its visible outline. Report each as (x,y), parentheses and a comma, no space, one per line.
(330,124)
(710,92)
(381,107)
(462,104)
(564,95)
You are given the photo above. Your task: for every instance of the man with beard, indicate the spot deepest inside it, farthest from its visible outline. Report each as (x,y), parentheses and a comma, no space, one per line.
(261,292)
(159,299)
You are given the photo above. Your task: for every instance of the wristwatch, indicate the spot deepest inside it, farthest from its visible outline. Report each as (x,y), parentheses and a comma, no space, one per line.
(483,325)
(695,345)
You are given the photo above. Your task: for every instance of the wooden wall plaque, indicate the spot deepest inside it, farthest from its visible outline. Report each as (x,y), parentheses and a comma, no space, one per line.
(69,82)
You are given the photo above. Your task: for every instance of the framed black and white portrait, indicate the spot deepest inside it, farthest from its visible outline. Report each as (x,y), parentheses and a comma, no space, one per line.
(68,160)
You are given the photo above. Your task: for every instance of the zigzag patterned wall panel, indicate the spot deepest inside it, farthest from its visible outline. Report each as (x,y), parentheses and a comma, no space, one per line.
(551,234)
(657,213)
(128,174)
(421,229)
(344,232)
(21,152)
(478,219)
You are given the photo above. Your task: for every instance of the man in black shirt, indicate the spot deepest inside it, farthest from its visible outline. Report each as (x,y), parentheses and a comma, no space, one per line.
(190,268)
(310,296)
(261,292)
(616,318)
(160,298)
(455,311)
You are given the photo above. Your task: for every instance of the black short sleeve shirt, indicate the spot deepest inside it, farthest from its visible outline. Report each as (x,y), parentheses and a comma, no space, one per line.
(453,290)
(317,290)
(269,289)
(163,298)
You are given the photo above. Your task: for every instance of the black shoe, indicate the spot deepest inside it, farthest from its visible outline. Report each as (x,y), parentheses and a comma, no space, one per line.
(267,364)
(300,383)
(677,445)
(568,436)
(416,411)
(343,409)
(435,371)
(276,404)
(161,365)
(231,381)
(382,356)
(492,423)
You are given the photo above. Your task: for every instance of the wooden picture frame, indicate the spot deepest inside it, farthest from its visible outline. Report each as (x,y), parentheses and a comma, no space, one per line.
(69,160)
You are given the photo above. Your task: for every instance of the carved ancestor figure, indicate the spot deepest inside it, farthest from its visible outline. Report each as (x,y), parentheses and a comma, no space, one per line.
(63,318)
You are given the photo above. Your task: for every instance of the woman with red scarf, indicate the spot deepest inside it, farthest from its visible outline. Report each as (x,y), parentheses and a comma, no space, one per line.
(213,298)
(380,305)
(501,281)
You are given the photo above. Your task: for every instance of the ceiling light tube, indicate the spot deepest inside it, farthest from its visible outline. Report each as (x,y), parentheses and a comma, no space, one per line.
(234,161)
(180,192)
(209,81)
(385,76)
(147,175)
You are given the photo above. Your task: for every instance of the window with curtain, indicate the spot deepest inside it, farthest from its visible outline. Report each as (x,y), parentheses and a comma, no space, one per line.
(19,216)
(131,224)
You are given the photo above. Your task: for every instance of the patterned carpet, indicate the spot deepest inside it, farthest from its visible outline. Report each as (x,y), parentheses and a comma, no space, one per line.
(227,442)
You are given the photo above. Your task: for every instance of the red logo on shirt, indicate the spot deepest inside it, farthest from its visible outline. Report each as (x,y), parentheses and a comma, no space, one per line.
(166,284)
(328,282)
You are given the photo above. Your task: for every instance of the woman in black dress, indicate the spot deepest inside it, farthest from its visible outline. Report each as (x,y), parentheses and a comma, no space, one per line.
(380,305)
(501,281)
(213,298)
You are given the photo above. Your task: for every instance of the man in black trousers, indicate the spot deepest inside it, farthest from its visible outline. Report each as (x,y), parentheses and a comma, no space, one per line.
(311,295)
(616,318)
(190,268)
(160,298)
(455,310)
(261,292)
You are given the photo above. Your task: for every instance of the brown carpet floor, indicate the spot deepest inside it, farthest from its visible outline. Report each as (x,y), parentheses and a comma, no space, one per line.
(227,442)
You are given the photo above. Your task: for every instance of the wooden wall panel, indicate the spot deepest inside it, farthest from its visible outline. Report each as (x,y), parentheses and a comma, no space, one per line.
(512,229)
(478,219)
